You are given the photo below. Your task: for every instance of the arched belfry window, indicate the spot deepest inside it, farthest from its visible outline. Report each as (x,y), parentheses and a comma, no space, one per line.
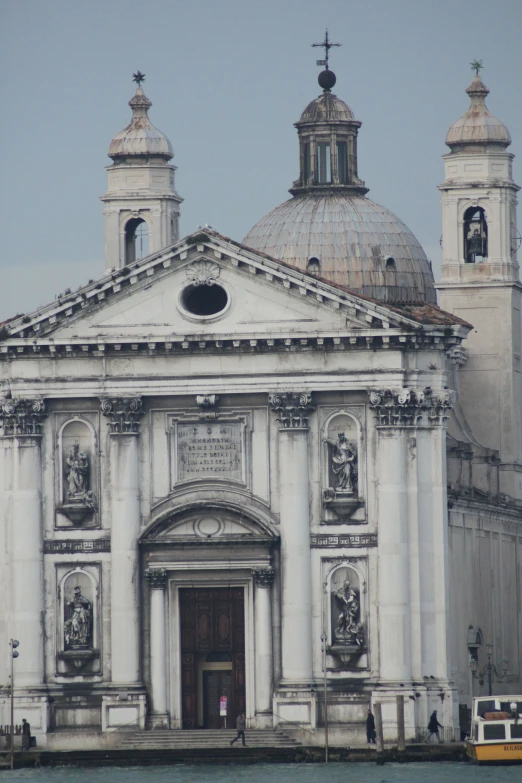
(475,236)
(136,240)
(324,163)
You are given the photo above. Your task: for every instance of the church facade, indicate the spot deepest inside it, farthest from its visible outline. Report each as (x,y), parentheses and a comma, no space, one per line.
(228,467)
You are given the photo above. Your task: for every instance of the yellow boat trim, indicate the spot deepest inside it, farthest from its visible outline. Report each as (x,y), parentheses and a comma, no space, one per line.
(495,751)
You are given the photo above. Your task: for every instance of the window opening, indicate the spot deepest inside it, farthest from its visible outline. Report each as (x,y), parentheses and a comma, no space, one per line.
(204,300)
(475,236)
(324,166)
(136,240)
(306,162)
(492,731)
(342,162)
(314,266)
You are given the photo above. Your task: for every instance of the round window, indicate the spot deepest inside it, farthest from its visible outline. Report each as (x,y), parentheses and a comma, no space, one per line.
(204,300)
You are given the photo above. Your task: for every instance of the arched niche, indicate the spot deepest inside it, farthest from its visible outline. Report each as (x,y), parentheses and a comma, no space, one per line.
(346,615)
(78,626)
(78,470)
(475,235)
(343,467)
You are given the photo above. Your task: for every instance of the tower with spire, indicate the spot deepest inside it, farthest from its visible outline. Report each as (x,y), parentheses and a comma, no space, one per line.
(480,277)
(141,203)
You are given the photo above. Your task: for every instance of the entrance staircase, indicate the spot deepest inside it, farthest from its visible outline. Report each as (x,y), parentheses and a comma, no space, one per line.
(160,739)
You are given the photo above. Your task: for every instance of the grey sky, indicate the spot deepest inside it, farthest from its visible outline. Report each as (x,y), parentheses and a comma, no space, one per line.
(228,78)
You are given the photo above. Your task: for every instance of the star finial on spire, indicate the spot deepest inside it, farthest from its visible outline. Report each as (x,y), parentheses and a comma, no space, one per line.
(327,45)
(476,66)
(138,77)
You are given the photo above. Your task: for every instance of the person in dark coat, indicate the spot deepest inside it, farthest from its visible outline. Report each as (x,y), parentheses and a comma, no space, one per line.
(370,728)
(26,734)
(433,727)
(240,726)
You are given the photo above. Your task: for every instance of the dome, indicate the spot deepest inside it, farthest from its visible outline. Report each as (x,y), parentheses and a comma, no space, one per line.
(327,108)
(358,244)
(140,138)
(477,126)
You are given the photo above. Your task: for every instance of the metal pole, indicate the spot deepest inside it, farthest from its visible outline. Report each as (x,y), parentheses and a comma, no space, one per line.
(323,639)
(12,705)
(401,734)
(490,688)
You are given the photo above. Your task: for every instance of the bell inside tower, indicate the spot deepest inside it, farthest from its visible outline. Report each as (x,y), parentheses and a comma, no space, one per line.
(475,236)
(136,240)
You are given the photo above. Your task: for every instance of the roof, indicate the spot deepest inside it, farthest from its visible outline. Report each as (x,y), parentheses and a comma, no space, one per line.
(477,126)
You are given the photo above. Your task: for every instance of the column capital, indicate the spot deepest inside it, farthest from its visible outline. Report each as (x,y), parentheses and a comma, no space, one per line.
(22,417)
(411,407)
(263,577)
(292,408)
(124,414)
(157,578)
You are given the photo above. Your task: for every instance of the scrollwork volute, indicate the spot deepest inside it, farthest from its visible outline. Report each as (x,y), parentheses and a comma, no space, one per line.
(292,409)
(124,414)
(22,417)
(411,407)
(157,578)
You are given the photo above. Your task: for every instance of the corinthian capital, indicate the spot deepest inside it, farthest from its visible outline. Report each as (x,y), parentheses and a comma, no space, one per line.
(157,578)
(292,408)
(263,577)
(411,407)
(124,414)
(22,417)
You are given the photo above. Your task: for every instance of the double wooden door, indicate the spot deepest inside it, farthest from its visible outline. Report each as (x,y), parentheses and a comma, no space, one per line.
(212,630)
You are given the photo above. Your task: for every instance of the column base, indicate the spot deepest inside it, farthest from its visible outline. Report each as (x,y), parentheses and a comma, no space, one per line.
(158,721)
(295,705)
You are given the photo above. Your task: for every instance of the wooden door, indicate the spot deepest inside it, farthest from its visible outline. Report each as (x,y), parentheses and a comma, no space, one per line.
(215,685)
(212,622)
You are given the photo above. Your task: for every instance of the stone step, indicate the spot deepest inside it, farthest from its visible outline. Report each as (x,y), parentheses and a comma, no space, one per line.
(210,738)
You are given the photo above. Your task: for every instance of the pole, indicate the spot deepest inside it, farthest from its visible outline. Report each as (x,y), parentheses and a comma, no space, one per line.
(323,639)
(378,727)
(401,735)
(12,705)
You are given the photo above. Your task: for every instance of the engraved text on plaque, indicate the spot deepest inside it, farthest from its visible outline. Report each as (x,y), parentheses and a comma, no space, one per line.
(209,449)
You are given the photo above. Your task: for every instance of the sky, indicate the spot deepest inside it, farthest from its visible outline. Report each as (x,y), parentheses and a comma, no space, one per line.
(228,78)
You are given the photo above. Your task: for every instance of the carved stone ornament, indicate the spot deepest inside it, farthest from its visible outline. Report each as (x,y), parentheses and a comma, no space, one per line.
(349,630)
(203,273)
(458,355)
(292,409)
(411,407)
(207,404)
(124,414)
(78,624)
(22,417)
(157,578)
(263,577)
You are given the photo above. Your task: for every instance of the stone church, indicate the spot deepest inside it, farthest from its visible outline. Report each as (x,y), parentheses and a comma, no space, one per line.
(230,469)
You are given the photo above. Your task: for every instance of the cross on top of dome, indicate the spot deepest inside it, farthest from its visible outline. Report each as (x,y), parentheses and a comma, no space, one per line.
(326,78)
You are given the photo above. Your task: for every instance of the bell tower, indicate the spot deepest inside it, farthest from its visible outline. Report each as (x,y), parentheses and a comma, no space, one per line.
(480,277)
(141,204)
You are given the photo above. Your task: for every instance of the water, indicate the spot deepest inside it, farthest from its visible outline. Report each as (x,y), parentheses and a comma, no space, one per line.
(359,772)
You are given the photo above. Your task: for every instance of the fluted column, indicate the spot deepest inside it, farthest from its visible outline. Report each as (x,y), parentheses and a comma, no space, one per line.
(296,599)
(22,424)
(263,579)
(157,579)
(124,416)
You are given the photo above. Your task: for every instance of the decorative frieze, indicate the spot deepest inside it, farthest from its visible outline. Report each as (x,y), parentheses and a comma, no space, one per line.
(124,414)
(22,417)
(263,577)
(63,547)
(157,578)
(334,542)
(411,407)
(292,409)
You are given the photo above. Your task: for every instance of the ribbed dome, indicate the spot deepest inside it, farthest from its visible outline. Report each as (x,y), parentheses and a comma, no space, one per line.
(358,243)
(140,138)
(327,108)
(477,126)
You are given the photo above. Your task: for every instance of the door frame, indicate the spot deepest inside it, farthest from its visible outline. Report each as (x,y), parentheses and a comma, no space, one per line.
(211,579)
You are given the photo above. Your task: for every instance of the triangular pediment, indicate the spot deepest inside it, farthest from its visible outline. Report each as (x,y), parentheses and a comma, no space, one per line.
(145,303)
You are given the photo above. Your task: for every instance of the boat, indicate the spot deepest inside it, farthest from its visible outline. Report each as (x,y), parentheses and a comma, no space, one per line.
(496,730)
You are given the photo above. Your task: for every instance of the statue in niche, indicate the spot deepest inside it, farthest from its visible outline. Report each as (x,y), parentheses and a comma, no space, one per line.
(344,464)
(78,472)
(78,626)
(349,629)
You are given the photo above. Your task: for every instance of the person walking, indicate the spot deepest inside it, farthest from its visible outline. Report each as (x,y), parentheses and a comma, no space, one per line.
(433,727)
(240,726)
(370,728)
(26,734)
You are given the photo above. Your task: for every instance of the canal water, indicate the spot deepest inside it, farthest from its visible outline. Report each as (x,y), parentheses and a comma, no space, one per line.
(359,772)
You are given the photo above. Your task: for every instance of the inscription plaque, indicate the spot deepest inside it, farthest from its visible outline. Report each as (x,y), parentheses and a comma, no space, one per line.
(205,449)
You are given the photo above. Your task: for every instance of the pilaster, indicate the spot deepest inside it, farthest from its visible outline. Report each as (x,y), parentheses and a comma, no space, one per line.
(263,579)
(157,580)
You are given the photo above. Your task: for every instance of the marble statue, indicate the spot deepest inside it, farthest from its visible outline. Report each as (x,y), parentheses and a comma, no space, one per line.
(78,626)
(349,629)
(344,463)
(78,471)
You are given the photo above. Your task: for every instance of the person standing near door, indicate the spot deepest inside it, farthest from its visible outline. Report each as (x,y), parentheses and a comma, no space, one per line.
(240,726)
